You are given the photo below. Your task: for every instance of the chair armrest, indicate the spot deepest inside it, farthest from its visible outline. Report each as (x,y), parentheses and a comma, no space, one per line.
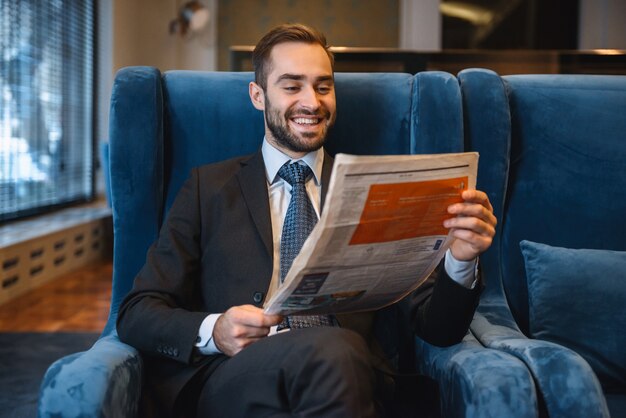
(568,386)
(104,381)
(476,382)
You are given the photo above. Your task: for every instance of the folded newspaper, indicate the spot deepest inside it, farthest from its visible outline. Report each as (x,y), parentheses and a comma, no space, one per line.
(380,235)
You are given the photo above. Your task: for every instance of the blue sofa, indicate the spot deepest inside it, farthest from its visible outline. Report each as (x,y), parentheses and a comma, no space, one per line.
(162,125)
(553,161)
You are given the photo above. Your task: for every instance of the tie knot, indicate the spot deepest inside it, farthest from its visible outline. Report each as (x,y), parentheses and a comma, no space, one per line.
(295,173)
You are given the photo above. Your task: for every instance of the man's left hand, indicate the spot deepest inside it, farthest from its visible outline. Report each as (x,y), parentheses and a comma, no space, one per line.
(473,227)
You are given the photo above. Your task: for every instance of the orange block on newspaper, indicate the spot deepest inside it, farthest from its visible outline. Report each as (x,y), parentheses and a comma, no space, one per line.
(400,211)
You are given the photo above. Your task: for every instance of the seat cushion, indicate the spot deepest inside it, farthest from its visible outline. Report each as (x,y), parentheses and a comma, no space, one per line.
(576,299)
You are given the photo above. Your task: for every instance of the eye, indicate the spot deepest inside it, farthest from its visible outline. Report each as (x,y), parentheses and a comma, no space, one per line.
(324,89)
(291,89)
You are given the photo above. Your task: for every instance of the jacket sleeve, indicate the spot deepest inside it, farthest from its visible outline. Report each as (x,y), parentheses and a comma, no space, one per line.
(440,311)
(160,315)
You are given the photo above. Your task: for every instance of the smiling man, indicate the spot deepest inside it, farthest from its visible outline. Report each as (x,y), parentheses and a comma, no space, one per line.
(299,107)
(195,309)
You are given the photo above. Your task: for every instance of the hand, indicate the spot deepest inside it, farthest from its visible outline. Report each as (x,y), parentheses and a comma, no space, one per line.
(473,227)
(241,326)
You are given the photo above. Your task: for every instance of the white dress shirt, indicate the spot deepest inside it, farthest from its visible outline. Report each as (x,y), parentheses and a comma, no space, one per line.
(279,191)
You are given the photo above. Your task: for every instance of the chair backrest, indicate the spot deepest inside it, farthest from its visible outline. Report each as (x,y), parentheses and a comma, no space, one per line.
(162,125)
(553,160)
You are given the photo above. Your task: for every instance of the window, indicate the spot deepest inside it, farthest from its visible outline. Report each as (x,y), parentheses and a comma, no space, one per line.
(46,104)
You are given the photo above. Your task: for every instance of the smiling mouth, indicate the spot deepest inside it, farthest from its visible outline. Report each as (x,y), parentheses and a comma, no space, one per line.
(306,121)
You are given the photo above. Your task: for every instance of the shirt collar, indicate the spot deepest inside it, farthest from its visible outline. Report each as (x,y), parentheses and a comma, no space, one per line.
(274,159)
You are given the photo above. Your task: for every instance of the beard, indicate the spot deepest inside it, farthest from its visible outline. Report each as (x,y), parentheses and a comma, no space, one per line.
(279,127)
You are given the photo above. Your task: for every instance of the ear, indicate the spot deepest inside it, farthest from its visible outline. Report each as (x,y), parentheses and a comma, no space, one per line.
(256,96)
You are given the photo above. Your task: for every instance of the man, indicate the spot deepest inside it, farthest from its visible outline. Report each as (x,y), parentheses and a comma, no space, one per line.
(195,308)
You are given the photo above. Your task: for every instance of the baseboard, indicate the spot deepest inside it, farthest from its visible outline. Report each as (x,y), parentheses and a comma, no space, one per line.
(38,250)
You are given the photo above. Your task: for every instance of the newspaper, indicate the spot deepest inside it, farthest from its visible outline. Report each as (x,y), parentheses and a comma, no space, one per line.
(380,235)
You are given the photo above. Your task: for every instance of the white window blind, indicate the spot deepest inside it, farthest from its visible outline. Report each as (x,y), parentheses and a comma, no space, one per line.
(46,104)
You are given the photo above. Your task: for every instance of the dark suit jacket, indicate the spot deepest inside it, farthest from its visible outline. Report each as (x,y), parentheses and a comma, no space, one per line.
(215,251)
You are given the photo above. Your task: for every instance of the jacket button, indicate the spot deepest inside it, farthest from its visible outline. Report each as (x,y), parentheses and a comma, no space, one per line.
(257,297)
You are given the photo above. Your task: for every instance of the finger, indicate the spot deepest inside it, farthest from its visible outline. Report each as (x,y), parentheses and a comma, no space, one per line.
(473,210)
(478,242)
(250,333)
(259,314)
(477,196)
(472,224)
(233,323)
(230,338)
(234,346)
(252,316)
(237,330)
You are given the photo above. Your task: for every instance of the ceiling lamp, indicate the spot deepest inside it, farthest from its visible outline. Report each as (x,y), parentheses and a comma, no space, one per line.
(476,15)
(193,16)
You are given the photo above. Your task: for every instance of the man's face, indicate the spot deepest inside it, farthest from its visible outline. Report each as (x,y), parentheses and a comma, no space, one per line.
(299,100)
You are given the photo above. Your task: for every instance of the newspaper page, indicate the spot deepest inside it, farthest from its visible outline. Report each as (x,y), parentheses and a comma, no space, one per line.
(380,235)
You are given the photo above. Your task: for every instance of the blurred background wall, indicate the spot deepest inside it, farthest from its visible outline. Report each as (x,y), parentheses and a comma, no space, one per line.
(137,32)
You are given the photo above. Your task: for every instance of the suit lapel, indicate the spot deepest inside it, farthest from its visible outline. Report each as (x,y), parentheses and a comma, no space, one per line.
(252,180)
(253,183)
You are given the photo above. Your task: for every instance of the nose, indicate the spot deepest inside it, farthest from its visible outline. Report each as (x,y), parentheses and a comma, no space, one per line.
(309,98)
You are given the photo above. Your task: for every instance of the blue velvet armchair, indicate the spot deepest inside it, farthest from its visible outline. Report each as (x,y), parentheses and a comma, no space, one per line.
(553,162)
(162,125)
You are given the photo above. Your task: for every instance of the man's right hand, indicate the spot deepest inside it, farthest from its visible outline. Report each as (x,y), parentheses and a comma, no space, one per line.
(241,326)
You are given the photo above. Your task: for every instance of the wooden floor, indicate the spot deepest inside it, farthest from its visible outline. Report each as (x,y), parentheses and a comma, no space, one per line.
(76,302)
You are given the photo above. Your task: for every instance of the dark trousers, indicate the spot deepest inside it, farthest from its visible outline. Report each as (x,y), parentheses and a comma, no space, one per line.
(313,372)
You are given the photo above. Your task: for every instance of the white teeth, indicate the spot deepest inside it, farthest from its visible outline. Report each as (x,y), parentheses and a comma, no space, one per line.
(305,121)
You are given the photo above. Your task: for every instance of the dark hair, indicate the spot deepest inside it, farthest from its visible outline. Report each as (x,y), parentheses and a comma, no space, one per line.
(289,32)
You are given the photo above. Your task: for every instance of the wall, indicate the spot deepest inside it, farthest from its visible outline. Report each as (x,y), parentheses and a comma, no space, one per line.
(137,33)
(372,23)
(420,25)
(141,37)
(602,24)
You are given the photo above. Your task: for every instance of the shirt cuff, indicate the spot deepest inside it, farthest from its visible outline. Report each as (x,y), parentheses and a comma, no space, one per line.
(204,341)
(462,272)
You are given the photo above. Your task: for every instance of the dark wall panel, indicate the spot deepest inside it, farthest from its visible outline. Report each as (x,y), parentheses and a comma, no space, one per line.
(354,23)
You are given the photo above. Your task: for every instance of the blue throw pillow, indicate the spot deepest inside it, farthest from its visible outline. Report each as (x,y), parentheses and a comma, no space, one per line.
(577,298)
